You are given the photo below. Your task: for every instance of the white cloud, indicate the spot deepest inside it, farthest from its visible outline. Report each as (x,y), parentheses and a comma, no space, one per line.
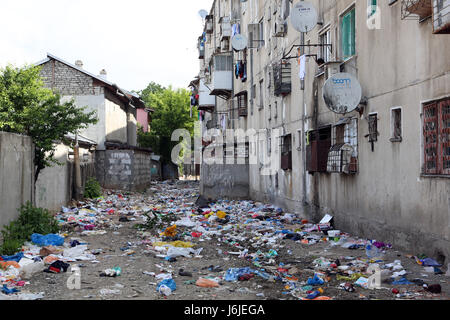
(136,41)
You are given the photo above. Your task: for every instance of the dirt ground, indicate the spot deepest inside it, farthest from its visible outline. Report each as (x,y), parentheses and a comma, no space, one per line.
(137,283)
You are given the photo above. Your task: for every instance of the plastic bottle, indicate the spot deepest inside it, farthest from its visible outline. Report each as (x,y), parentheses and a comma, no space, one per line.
(372,251)
(165,290)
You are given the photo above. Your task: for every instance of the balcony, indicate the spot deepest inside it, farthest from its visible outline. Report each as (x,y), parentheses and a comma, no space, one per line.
(209,25)
(222,76)
(206,102)
(416,9)
(225,27)
(201,47)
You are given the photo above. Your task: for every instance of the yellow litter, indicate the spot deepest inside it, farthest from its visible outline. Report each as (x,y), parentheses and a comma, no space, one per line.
(179,244)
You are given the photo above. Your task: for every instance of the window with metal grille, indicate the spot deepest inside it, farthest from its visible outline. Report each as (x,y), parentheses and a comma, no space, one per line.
(436,130)
(343,154)
(373,130)
(286,152)
(396,125)
(242,102)
(282,78)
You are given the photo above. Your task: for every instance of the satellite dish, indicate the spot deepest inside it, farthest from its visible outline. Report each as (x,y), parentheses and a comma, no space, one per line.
(203,13)
(239,42)
(304,16)
(342,93)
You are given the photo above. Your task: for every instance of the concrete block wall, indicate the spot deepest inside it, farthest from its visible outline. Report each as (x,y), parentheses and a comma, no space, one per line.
(16,174)
(229,181)
(67,80)
(123,169)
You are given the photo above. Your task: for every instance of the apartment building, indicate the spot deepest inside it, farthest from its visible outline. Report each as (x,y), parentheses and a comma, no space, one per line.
(383,168)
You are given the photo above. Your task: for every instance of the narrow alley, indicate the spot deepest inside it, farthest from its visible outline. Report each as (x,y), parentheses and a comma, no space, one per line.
(169,244)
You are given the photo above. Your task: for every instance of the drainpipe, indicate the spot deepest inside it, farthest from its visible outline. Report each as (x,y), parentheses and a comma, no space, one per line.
(302,41)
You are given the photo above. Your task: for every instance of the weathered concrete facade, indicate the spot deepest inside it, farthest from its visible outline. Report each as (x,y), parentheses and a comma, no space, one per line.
(16,174)
(401,66)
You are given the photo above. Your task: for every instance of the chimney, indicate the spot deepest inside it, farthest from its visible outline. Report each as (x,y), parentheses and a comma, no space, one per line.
(79,63)
(103,74)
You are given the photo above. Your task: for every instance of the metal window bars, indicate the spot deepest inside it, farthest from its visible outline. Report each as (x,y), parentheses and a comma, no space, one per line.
(343,155)
(416,9)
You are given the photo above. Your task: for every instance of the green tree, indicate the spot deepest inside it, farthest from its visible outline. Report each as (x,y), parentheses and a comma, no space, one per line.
(172,112)
(27,107)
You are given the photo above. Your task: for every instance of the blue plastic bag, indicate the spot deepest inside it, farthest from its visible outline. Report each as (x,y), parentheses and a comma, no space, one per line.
(5,290)
(168,283)
(48,240)
(17,257)
(233,274)
(315,281)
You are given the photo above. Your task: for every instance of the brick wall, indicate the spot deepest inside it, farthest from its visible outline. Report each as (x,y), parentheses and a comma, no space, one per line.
(67,80)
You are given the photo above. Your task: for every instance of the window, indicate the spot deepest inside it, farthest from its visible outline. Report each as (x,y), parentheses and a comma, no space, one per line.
(318,143)
(373,129)
(261,94)
(223,63)
(371,7)
(276,110)
(436,130)
(343,155)
(261,34)
(270,112)
(242,102)
(286,152)
(325,51)
(396,125)
(348,34)
(300,138)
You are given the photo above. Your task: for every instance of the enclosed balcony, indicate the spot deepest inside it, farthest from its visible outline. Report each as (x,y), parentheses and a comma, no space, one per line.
(206,101)
(222,76)
(201,47)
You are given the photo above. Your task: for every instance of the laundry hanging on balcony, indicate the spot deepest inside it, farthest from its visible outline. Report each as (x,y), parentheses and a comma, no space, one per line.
(240,70)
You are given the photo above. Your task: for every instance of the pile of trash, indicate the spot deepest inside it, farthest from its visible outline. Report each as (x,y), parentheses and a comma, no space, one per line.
(172,225)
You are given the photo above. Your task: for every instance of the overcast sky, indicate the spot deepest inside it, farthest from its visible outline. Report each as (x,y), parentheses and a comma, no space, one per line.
(136,41)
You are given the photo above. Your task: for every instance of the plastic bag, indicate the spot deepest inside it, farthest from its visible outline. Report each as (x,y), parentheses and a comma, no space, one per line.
(166,287)
(48,240)
(174,252)
(206,283)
